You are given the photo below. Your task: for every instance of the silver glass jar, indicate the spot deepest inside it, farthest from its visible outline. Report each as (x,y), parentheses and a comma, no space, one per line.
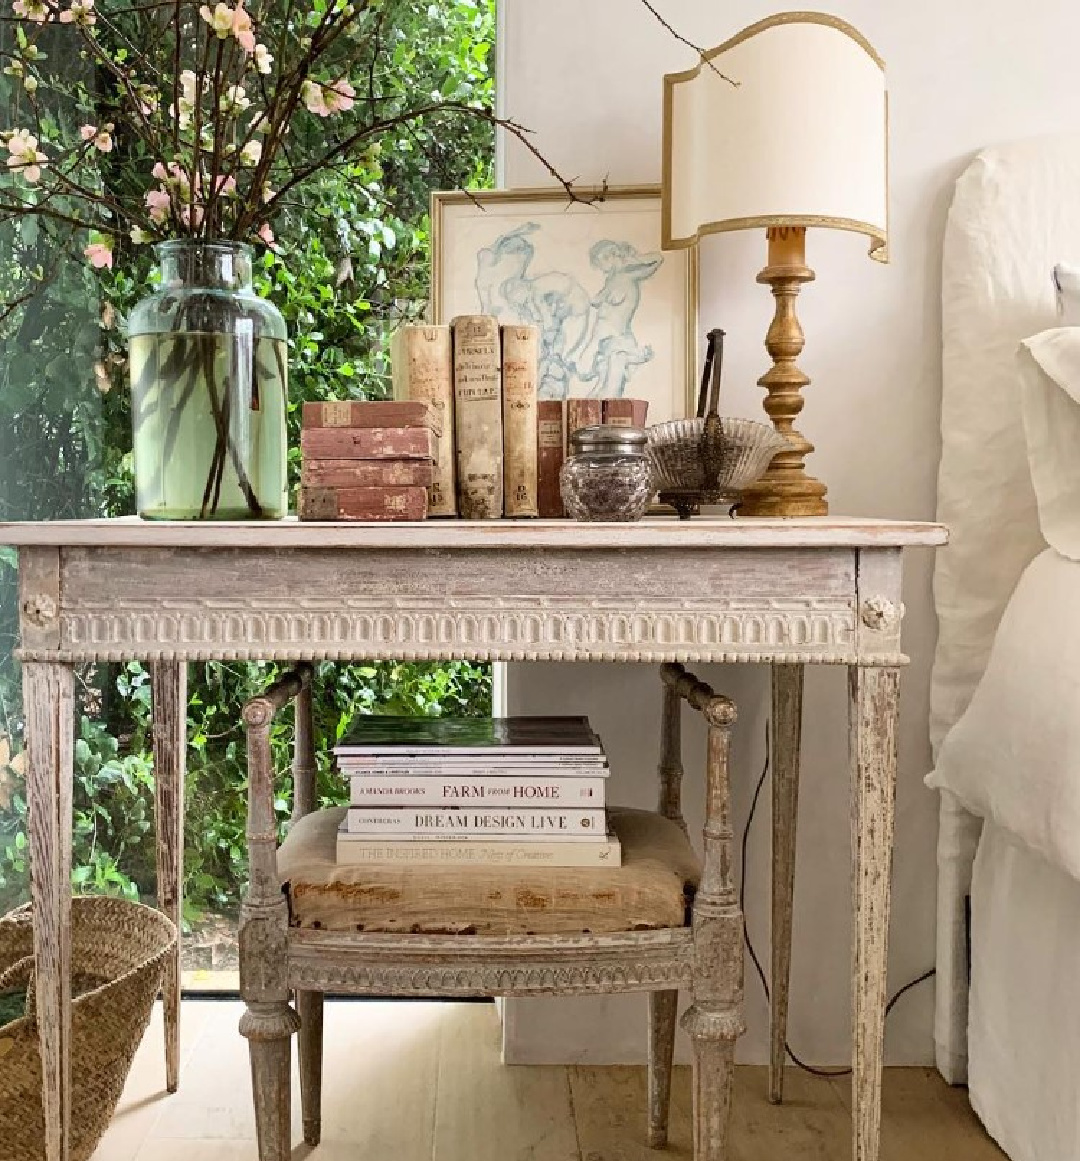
(607,475)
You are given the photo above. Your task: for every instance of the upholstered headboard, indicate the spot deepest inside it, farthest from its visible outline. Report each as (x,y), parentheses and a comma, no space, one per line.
(1015,214)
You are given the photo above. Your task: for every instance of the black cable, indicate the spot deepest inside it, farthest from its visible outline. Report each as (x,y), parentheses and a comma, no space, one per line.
(826,1072)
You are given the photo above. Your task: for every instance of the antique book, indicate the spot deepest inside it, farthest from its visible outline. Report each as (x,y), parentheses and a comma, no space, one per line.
(520,371)
(550,453)
(492,738)
(367,473)
(626,412)
(423,370)
(460,822)
(478,416)
(372,413)
(583,413)
(448,789)
(368,443)
(363,503)
(605,852)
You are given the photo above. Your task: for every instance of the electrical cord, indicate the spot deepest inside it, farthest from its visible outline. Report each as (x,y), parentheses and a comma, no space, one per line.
(826,1072)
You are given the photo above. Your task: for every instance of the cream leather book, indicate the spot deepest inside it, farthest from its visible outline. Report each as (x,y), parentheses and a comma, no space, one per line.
(520,372)
(478,416)
(422,368)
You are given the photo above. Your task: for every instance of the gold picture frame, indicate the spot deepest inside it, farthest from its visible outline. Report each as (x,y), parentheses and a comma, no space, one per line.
(618,316)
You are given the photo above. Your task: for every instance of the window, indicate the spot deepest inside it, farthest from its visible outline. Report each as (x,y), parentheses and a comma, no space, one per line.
(350,262)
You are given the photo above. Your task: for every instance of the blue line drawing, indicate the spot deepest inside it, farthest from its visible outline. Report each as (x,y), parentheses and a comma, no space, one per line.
(587,342)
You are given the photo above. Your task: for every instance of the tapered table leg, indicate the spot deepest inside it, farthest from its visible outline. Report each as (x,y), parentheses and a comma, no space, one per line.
(874,705)
(48,701)
(787,698)
(169,692)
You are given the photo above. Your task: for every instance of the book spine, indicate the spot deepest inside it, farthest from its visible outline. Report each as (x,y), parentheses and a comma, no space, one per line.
(478,415)
(423,370)
(467,768)
(520,372)
(550,453)
(583,413)
(363,503)
(626,412)
(367,473)
(371,413)
(607,853)
(362,443)
(448,790)
(490,823)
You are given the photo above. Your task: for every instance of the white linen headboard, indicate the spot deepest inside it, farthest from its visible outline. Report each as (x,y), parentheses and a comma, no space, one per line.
(1015,214)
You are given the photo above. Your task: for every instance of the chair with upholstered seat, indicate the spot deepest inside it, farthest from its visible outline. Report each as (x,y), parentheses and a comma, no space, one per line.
(654,924)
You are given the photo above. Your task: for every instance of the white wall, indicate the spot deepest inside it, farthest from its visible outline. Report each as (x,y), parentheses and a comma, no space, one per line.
(585,75)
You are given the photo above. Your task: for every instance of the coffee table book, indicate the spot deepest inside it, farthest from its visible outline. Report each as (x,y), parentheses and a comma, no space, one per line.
(353,849)
(381,737)
(462,823)
(445,787)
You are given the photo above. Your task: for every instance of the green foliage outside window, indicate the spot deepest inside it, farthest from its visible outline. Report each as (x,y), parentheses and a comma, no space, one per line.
(351,262)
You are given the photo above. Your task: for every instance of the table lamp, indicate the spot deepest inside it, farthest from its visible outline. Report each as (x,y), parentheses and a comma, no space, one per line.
(782,127)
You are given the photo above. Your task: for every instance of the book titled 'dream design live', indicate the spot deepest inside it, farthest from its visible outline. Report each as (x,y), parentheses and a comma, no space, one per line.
(528,790)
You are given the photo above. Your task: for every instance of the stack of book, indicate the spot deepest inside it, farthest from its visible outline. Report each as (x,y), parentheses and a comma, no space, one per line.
(501,446)
(367,461)
(521,790)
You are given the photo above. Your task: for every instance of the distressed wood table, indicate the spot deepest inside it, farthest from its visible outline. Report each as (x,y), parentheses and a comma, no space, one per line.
(786,593)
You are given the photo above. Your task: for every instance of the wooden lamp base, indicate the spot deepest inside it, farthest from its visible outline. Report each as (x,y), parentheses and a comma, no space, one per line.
(786,489)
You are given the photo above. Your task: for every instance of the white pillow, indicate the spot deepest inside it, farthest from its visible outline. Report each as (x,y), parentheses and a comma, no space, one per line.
(1050,405)
(1014,756)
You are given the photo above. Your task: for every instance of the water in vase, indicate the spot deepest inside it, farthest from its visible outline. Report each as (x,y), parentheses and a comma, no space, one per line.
(209,425)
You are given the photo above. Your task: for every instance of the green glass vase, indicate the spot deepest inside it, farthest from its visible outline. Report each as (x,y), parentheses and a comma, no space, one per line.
(208,390)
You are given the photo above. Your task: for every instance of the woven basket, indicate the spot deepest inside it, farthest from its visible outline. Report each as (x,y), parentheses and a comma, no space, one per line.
(118,954)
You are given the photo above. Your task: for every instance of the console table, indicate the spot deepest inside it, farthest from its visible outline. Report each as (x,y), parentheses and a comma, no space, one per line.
(780,592)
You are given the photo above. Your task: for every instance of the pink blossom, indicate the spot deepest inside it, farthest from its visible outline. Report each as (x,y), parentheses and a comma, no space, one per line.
(192,216)
(314,99)
(32,10)
(226,22)
(100,255)
(102,138)
(80,12)
(158,203)
(266,234)
(220,19)
(340,97)
(326,100)
(159,172)
(24,155)
(225,186)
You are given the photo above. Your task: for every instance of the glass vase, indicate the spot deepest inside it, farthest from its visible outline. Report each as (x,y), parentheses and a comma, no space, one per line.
(208,390)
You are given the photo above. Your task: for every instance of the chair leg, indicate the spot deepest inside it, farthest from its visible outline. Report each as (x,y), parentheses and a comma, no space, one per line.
(714,1079)
(310,1008)
(662,1009)
(269,1028)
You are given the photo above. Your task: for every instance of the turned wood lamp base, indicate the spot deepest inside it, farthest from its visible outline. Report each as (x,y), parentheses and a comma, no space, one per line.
(786,489)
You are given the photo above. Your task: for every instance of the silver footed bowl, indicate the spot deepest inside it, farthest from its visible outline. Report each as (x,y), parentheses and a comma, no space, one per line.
(674,450)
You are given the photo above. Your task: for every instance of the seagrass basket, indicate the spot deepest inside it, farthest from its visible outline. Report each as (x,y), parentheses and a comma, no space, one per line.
(118,954)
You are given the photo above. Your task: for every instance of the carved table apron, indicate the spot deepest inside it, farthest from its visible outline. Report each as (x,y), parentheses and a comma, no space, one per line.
(782,592)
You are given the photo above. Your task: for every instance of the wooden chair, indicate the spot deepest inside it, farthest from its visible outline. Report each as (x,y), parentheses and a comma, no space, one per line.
(309,927)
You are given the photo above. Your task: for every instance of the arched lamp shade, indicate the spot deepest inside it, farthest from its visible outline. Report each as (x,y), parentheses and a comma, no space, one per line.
(784,124)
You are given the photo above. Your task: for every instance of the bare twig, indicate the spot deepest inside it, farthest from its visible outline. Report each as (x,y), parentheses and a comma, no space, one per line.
(703,56)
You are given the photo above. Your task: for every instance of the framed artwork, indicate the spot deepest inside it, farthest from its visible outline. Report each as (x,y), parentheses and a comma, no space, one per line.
(617,316)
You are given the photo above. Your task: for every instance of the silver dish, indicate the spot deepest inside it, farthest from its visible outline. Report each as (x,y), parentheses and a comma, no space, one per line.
(679,460)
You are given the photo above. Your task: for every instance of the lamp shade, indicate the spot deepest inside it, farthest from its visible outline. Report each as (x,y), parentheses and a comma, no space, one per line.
(783,125)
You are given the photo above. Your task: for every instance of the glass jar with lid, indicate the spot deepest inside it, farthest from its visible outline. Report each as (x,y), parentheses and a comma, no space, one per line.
(607,474)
